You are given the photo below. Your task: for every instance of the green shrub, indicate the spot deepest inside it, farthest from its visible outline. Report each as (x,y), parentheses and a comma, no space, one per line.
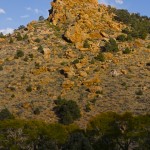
(25,37)
(86,44)
(67,111)
(139,92)
(19,37)
(29,88)
(75,61)
(100,57)
(37,40)
(1,67)
(5,114)
(11,40)
(127,51)
(40,49)
(148,46)
(37,111)
(121,38)
(2,35)
(148,64)
(19,53)
(129,37)
(111,46)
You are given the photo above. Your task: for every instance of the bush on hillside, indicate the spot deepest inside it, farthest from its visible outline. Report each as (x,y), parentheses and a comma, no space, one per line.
(111,46)
(67,111)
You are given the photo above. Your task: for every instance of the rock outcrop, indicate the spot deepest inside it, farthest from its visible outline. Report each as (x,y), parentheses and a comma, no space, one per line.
(83,19)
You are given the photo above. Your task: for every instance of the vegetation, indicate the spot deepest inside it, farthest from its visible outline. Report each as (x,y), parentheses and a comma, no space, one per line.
(1,67)
(111,46)
(41,18)
(127,51)
(40,49)
(19,37)
(2,35)
(107,131)
(140,26)
(11,40)
(67,111)
(86,44)
(5,114)
(121,38)
(29,88)
(100,57)
(19,53)
(37,40)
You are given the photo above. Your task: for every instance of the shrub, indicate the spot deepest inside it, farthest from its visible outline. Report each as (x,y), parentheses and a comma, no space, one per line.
(75,61)
(1,67)
(19,53)
(40,49)
(127,51)
(29,88)
(21,27)
(19,37)
(25,37)
(41,18)
(111,46)
(148,64)
(5,114)
(67,111)
(121,38)
(148,46)
(100,57)
(36,111)
(78,141)
(2,35)
(139,92)
(37,40)
(86,44)
(11,40)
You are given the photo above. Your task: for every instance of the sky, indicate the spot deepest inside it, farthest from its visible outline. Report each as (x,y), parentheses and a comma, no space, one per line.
(14,13)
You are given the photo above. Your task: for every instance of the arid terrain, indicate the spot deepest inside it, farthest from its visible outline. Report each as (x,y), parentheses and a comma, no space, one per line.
(66,57)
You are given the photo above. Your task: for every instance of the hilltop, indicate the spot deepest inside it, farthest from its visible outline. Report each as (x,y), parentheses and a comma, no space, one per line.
(93,54)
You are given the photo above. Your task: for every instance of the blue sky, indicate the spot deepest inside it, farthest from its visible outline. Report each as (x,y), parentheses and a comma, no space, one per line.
(14,13)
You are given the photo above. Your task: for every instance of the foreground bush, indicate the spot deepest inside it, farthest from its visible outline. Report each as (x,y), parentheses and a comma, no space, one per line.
(107,131)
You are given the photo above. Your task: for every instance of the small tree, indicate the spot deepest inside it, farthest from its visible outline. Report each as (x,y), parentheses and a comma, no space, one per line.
(41,18)
(5,114)
(67,111)
(121,38)
(111,46)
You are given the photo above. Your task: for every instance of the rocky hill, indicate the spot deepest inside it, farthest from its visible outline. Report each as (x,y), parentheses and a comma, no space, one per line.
(79,53)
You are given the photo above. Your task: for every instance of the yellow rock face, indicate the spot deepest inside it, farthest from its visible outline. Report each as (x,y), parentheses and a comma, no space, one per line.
(84,19)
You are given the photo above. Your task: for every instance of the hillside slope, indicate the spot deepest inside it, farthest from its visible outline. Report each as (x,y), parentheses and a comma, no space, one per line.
(67,56)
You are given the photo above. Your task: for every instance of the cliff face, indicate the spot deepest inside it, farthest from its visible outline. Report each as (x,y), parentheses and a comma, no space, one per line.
(83,19)
(69,10)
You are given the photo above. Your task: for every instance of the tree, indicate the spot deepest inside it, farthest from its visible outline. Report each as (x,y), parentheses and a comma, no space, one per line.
(67,111)
(111,46)
(78,141)
(5,114)
(41,18)
(21,27)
